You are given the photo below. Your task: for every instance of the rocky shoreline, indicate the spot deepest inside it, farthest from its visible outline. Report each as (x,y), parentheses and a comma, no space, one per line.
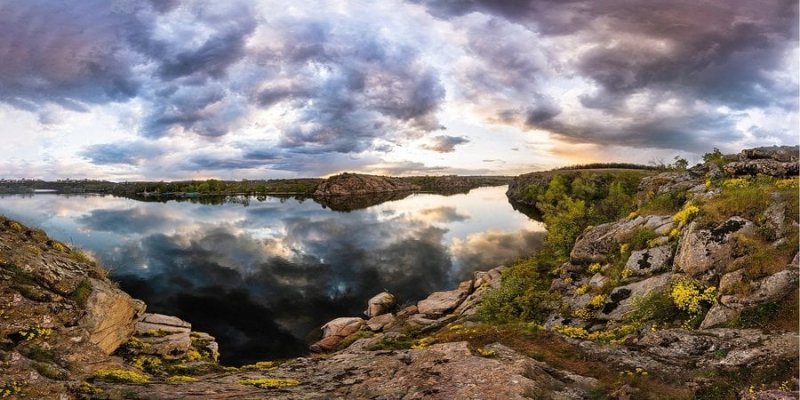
(68,332)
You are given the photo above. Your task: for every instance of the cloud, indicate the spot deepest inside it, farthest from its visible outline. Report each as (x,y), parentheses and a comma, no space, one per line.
(445,144)
(131,153)
(613,54)
(67,54)
(332,81)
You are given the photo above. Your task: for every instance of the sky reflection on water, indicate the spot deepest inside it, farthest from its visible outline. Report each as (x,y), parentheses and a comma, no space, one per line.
(260,278)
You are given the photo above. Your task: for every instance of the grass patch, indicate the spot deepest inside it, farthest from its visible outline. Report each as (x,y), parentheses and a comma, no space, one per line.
(656,306)
(639,239)
(181,379)
(82,256)
(522,295)
(120,376)
(778,316)
(662,204)
(269,383)
(81,293)
(38,353)
(50,371)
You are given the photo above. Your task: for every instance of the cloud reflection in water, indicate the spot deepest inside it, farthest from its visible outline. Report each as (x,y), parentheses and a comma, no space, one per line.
(261,278)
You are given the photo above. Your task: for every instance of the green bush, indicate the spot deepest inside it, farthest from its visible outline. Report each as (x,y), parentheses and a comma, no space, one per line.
(653,307)
(522,295)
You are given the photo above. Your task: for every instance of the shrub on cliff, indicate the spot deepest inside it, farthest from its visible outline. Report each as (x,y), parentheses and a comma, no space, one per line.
(522,295)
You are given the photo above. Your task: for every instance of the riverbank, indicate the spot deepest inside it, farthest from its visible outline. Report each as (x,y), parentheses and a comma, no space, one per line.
(681,284)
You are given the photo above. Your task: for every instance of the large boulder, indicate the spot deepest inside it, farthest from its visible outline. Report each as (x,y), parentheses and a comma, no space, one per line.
(111,315)
(439,303)
(621,300)
(704,252)
(381,303)
(163,335)
(719,315)
(337,330)
(646,262)
(377,323)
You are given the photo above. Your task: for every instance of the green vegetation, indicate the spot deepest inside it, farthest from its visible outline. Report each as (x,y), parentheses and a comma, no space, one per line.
(269,383)
(569,203)
(656,307)
(715,157)
(523,295)
(120,376)
(81,293)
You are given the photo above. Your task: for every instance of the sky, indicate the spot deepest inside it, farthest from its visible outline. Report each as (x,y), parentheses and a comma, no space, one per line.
(171,89)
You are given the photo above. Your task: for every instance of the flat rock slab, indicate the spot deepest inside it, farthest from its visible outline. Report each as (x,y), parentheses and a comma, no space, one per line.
(439,303)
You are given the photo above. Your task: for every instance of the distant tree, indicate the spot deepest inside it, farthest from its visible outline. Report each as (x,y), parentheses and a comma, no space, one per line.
(715,157)
(680,163)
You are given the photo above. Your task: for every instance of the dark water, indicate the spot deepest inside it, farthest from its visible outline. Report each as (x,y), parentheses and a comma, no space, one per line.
(261,274)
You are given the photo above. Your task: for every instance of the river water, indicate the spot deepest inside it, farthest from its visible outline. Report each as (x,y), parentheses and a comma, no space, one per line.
(261,274)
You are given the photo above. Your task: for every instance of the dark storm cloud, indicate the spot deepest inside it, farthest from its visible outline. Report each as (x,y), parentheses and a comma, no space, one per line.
(445,144)
(372,87)
(60,52)
(214,56)
(722,53)
(130,153)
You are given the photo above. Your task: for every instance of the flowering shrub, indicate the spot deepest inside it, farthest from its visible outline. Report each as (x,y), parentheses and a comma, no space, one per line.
(690,296)
(571,331)
(120,376)
(594,267)
(735,183)
(581,313)
(269,383)
(582,289)
(34,332)
(787,183)
(626,273)
(685,215)
(598,301)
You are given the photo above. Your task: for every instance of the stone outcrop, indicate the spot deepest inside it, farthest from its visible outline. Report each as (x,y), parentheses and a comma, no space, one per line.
(597,243)
(779,161)
(704,252)
(56,301)
(110,315)
(348,184)
(170,338)
(381,303)
(337,330)
(439,303)
(164,335)
(442,371)
(621,299)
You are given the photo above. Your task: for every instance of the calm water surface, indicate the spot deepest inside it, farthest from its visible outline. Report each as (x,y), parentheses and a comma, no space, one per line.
(262,276)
